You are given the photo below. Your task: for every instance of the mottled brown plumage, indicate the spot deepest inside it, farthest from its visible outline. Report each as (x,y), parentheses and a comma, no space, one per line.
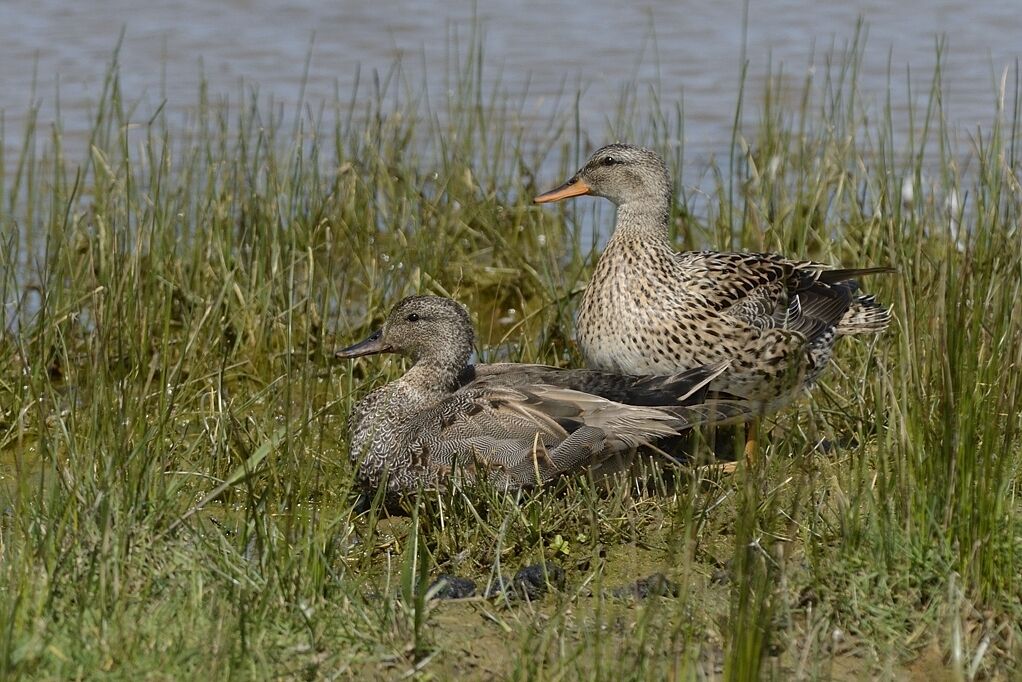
(515,425)
(651,310)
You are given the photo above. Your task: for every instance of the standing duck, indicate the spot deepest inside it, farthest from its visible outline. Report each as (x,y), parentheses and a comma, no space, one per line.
(516,425)
(649,309)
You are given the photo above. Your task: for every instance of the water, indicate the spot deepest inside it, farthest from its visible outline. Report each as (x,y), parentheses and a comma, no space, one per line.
(691,50)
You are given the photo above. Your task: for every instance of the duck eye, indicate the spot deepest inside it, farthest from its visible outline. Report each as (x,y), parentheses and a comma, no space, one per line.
(610,161)
(412,317)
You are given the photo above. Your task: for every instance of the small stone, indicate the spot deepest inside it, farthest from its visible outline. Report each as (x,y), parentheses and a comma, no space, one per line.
(655,585)
(452,587)
(722,574)
(807,597)
(531,582)
(497,588)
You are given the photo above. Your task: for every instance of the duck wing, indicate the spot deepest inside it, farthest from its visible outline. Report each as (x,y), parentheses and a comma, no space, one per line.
(685,388)
(722,280)
(768,291)
(529,435)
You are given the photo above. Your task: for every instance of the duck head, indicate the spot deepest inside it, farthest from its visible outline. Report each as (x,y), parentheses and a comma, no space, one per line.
(424,328)
(619,172)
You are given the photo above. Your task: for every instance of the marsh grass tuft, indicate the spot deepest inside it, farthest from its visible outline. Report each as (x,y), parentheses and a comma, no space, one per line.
(176,497)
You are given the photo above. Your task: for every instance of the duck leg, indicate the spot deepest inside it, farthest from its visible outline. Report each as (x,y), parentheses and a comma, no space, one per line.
(751,441)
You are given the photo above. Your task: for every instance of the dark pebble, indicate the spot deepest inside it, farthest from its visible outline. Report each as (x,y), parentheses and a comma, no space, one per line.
(656,585)
(807,598)
(530,582)
(452,587)
(533,582)
(849,442)
(722,574)
(826,446)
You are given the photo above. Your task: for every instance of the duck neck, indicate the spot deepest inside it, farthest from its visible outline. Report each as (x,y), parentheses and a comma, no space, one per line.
(433,378)
(646,218)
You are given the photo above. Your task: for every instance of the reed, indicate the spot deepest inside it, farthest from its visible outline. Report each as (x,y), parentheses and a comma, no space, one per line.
(175,489)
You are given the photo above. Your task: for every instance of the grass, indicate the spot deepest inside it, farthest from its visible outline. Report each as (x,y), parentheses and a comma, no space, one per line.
(175,490)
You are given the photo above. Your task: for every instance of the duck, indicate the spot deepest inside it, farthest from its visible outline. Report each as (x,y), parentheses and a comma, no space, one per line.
(649,309)
(448,422)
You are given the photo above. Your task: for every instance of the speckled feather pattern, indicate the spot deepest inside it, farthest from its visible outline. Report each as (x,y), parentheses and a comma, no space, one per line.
(514,425)
(651,310)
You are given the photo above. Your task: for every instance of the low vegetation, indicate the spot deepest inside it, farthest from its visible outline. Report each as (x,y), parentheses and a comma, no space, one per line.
(175,495)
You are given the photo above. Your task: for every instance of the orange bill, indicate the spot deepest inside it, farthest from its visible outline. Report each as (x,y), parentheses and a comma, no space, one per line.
(572,188)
